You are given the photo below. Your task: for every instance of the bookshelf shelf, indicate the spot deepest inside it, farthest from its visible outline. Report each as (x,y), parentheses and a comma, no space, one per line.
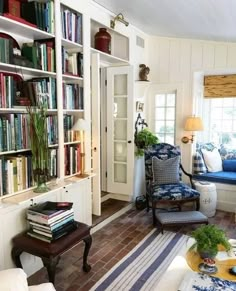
(14,152)
(71,46)
(109,59)
(25,70)
(72,142)
(16,27)
(73,79)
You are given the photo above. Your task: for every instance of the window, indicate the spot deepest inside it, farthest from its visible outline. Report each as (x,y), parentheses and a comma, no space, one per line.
(165,117)
(221,120)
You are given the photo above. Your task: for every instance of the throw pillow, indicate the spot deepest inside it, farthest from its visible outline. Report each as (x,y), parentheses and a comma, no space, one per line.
(212,160)
(229,165)
(165,171)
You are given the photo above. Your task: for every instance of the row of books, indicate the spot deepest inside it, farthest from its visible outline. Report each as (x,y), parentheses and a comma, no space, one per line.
(49,221)
(6,50)
(41,53)
(73,96)
(72,159)
(40,90)
(14,131)
(13,89)
(71,25)
(16,172)
(72,63)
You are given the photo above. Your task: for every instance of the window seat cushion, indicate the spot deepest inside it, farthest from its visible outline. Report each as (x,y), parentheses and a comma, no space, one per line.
(220,177)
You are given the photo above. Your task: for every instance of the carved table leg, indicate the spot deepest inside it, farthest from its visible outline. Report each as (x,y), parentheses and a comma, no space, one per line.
(88,243)
(15,254)
(51,264)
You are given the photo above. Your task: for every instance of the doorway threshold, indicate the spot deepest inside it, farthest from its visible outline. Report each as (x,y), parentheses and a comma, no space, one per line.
(110,209)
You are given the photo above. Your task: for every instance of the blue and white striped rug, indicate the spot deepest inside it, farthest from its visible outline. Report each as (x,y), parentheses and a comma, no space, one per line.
(143,267)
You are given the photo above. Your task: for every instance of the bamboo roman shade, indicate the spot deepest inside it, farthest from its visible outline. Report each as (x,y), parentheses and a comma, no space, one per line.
(220,86)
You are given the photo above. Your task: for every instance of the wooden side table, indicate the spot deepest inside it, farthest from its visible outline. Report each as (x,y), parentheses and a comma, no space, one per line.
(50,252)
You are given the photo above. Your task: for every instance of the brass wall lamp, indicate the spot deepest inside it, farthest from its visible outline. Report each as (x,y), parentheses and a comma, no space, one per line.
(119,17)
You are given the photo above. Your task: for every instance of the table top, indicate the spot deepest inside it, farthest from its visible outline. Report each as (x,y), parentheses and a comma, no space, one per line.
(193,259)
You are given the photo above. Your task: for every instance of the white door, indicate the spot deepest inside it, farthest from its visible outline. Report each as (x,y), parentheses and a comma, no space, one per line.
(120,130)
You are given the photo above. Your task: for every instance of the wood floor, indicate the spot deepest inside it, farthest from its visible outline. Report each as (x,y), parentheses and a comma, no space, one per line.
(108,208)
(111,244)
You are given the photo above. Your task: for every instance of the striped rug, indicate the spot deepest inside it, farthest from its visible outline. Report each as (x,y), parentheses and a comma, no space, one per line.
(143,267)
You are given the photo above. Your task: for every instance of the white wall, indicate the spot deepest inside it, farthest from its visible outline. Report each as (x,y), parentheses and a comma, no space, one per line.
(176,61)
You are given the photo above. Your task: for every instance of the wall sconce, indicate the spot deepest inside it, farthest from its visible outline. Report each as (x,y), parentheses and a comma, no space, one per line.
(119,17)
(192,123)
(81,126)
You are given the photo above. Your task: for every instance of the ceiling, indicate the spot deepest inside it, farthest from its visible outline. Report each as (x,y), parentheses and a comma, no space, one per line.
(198,19)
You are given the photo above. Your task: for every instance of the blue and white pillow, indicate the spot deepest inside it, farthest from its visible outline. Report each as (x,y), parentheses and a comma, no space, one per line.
(166,171)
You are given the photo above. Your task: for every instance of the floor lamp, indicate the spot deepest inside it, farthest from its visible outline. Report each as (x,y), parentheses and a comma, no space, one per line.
(81,126)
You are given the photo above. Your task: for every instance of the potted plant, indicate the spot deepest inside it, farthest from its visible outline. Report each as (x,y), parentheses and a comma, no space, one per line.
(39,145)
(143,139)
(208,238)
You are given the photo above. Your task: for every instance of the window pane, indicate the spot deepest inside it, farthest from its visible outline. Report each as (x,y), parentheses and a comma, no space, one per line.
(217,102)
(228,102)
(160,126)
(216,113)
(160,100)
(170,113)
(227,125)
(169,138)
(170,101)
(170,127)
(160,113)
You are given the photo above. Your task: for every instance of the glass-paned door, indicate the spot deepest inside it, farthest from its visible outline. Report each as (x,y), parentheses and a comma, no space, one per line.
(120,133)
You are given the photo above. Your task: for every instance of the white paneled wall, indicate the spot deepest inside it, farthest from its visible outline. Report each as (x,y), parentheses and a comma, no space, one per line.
(175,60)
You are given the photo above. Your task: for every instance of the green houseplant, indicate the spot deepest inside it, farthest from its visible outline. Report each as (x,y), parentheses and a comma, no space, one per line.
(39,145)
(143,139)
(207,238)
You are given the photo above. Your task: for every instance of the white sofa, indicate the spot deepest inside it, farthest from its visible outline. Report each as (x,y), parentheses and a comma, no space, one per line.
(16,280)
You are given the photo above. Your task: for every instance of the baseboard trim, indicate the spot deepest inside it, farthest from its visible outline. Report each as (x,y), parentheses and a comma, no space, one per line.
(111,218)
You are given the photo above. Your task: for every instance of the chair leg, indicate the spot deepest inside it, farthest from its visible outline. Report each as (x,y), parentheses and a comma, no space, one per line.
(148,207)
(197,204)
(154,220)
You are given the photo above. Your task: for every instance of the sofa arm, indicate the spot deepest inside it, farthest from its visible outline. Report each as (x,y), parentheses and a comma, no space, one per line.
(13,280)
(42,287)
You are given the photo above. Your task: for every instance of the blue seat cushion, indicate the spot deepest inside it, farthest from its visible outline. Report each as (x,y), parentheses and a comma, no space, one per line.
(179,191)
(220,177)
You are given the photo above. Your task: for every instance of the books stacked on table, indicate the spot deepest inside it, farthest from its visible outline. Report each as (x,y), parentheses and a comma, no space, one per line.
(51,220)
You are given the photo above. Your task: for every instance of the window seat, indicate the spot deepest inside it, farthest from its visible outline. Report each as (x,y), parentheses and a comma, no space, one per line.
(225,180)
(218,177)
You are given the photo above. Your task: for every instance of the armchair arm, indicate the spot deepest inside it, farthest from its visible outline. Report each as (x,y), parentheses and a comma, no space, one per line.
(188,174)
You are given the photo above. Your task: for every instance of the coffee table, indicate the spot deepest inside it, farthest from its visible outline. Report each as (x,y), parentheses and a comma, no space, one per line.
(193,259)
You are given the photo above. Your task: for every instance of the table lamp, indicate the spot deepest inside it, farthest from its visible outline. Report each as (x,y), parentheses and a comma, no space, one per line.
(193,123)
(81,126)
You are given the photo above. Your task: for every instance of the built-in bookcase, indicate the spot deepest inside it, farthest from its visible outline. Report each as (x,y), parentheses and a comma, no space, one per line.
(40,58)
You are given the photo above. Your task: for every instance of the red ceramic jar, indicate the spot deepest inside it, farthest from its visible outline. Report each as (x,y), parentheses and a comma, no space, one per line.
(103,41)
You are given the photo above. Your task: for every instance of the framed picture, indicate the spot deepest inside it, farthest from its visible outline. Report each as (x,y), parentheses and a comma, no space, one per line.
(139,106)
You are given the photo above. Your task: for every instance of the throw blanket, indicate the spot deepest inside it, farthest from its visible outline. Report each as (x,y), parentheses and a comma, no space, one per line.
(143,267)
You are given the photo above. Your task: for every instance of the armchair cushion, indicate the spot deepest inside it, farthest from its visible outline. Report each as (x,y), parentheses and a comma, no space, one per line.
(165,171)
(178,191)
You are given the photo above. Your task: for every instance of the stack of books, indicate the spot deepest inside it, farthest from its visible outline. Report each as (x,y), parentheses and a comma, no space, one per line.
(51,220)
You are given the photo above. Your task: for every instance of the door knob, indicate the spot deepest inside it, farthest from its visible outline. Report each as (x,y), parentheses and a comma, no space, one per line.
(129,141)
